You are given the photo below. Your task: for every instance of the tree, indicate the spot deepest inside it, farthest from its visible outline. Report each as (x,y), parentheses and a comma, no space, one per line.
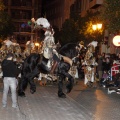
(69,32)
(111,15)
(2,7)
(85,26)
(6,25)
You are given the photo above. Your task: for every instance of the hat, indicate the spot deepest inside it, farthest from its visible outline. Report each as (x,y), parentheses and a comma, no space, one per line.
(9,55)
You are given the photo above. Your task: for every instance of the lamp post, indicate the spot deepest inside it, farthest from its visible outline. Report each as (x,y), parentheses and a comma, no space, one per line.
(96,28)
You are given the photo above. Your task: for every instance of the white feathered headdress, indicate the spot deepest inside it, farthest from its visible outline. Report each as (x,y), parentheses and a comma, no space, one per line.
(93,43)
(43,22)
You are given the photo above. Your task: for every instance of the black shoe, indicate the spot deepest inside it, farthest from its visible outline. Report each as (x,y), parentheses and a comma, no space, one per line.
(61,95)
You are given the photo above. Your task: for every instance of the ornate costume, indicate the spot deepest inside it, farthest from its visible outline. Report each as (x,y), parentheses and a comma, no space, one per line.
(90,63)
(9,46)
(49,44)
(29,48)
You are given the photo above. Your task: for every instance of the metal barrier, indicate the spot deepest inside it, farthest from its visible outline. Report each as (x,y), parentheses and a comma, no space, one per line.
(113,69)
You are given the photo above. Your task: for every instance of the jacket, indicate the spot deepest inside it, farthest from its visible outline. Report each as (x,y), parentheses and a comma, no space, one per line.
(9,68)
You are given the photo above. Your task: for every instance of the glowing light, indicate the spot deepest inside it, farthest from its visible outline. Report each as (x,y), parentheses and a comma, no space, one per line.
(99,26)
(37,44)
(94,27)
(116,40)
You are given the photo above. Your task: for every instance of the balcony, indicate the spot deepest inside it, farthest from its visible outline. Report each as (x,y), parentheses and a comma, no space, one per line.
(95,3)
(27,3)
(21,14)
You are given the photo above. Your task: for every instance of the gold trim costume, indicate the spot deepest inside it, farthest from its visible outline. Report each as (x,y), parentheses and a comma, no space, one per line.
(90,63)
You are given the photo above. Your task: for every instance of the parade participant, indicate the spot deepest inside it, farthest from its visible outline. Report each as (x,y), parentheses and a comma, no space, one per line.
(7,42)
(30,43)
(10,73)
(41,23)
(29,47)
(90,64)
(49,47)
(58,46)
(5,48)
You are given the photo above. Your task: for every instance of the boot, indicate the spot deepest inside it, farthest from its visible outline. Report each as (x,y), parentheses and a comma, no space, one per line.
(55,63)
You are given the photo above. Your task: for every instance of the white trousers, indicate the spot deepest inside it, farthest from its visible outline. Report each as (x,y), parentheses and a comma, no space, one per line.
(10,82)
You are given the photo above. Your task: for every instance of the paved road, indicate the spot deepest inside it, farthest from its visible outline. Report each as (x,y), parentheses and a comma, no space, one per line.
(81,104)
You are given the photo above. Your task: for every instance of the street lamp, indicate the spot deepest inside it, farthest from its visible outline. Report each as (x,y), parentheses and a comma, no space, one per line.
(116,40)
(97,32)
(97,26)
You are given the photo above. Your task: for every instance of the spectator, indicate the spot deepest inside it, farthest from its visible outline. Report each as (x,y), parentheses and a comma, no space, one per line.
(118,58)
(100,67)
(106,64)
(103,55)
(10,73)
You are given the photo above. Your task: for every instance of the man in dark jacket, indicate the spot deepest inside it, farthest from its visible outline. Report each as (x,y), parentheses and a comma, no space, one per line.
(10,72)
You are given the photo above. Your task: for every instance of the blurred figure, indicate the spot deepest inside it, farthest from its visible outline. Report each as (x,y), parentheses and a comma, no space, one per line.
(29,47)
(106,64)
(58,45)
(100,67)
(7,42)
(118,57)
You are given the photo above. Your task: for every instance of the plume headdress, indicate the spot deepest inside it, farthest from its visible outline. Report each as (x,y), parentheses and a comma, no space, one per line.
(41,23)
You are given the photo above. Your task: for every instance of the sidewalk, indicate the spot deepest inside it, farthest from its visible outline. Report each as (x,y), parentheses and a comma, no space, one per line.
(81,104)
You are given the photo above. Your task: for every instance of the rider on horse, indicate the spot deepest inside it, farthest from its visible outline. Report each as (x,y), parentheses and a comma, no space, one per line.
(49,46)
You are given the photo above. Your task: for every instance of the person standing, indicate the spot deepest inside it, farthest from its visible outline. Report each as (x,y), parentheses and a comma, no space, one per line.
(10,72)
(100,67)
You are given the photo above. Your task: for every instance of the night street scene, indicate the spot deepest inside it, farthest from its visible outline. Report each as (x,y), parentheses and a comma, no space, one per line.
(59,59)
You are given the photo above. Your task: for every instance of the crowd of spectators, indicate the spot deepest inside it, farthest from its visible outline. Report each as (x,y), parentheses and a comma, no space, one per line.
(106,63)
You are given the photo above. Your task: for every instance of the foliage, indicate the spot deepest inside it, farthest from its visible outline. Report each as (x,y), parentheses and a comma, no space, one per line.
(86,31)
(111,15)
(2,7)
(69,32)
(6,26)
(78,28)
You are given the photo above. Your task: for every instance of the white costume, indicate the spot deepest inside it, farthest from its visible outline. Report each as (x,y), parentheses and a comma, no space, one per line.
(7,43)
(90,63)
(30,43)
(48,48)
(89,71)
(43,22)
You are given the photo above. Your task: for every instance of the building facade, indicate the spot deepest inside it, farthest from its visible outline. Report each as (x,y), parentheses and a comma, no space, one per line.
(21,12)
(57,11)
(93,5)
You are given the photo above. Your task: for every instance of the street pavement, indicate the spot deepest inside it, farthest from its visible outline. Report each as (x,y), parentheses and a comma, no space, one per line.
(82,103)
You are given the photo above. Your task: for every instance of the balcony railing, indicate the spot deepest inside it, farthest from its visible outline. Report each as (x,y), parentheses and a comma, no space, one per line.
(21,3)
(21,14)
